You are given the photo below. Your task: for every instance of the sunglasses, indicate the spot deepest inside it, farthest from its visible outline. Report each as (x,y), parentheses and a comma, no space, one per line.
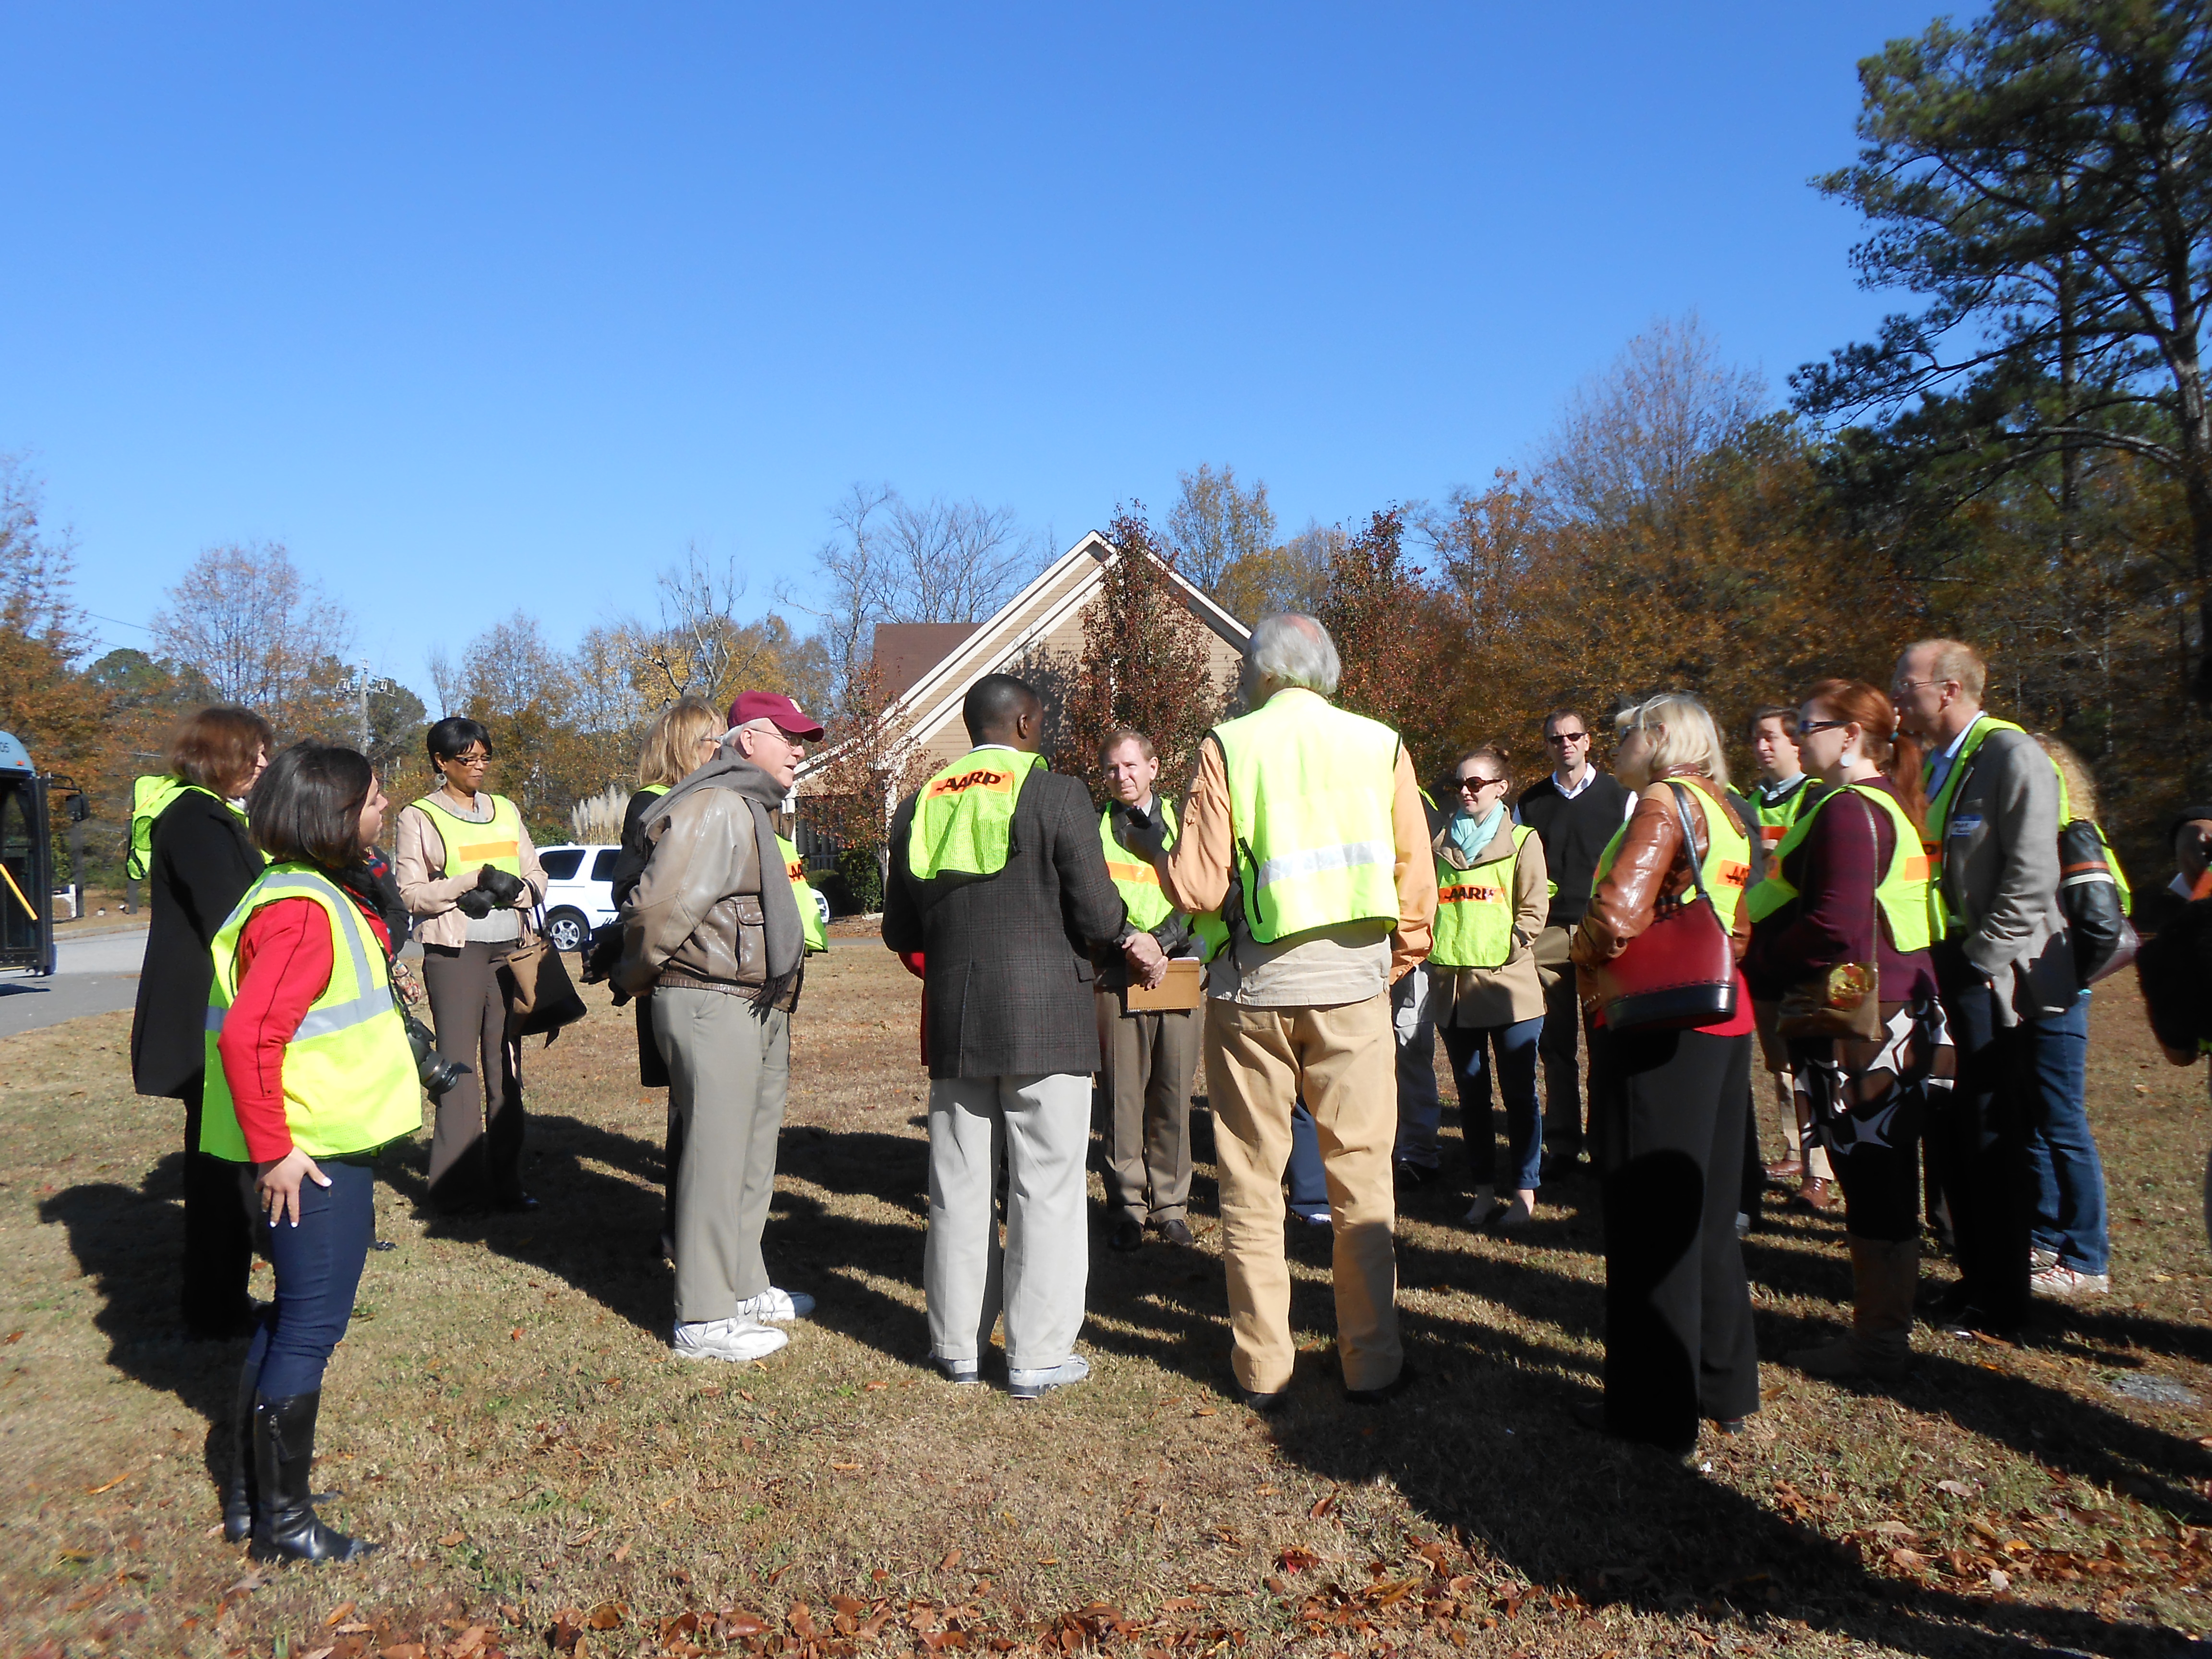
(1477,785)
(1804,726)
(1560,740)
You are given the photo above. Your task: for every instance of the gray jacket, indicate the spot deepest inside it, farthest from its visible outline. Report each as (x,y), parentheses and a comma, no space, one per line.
(2000,875)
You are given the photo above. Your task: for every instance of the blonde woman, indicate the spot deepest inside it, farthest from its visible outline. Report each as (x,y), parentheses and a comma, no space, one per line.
(682,738)
(1677,1334)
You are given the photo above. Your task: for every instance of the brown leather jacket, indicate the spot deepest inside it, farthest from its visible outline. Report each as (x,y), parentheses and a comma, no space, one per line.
(694,919)
(1650,869)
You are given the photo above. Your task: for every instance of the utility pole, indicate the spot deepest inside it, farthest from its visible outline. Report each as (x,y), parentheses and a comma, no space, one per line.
(365,733)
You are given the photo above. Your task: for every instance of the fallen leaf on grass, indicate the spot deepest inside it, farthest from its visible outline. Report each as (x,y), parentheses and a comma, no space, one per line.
(339,1613)
(452,1540)
(845,1467)
(1295,1559)
(94,1491)
(1892,1529)
(877,1388)
(1205,1411)
(1321,1508)
(324,1652)
(952,1560)
(12,1336)
(1956,1488)
(608,1615)
(1910,1560)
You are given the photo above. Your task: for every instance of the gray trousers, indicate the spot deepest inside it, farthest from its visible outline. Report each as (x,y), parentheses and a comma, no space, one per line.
(1039,1127)
(1144,1097)
(476,1138)
(728,1072)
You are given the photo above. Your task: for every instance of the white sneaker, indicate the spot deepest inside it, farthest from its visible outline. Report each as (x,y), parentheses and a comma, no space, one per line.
(1486,1199)
(774,1307)
(2059,1279)
(727,1339)
(1031,1385)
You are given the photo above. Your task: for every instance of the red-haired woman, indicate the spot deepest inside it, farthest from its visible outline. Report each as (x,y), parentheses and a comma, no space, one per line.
(1851,887)
(189,843)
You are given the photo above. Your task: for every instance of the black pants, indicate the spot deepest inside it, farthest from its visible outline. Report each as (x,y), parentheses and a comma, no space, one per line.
(475,1142)
(1679,1343)
(1977,1142)
(218,1234)
(1563,1103)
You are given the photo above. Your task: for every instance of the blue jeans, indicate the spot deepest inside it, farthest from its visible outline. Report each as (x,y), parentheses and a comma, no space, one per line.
(1420,1113)
(1515,1046)
(1309,1180)
(317,1270)
(2066,1175)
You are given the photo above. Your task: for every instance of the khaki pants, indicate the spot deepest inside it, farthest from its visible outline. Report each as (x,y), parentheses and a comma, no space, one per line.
(1342,1061)
(1144,1094)
(728,1072)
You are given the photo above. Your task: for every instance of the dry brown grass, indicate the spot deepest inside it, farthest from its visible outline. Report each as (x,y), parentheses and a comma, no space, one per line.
(502,1417)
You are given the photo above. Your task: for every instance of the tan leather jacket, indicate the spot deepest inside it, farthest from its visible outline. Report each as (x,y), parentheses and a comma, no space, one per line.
(1650,868)
(696,918)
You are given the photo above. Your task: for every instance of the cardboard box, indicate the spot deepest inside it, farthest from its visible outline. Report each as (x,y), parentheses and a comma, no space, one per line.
(1183,987)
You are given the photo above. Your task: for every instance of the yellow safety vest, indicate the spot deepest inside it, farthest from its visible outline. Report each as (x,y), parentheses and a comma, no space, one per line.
(1727,865)
(470,846)
(1776,821)
(1475,909)
(809,916)
(349,1082)
(1902,892)
(1311,790)
(964,817)
(151,797)
(1139,884)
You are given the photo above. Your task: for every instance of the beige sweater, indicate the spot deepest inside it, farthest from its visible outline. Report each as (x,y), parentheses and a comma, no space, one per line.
(1486,997)
(418,854)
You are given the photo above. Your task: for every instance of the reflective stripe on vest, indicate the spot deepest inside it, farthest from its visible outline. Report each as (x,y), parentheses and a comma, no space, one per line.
(964,817)
(349,1081)
(810,914)
(1902,892)
(1138,882)
(1475,909)
(151,797)
(470,846)
(1311,790)
(1727,865)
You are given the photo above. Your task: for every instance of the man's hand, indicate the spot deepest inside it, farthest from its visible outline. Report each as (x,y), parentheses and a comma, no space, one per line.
(1148,962)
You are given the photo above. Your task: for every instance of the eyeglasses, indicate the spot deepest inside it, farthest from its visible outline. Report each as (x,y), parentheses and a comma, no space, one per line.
(1805,726)
(1476,785)
(1899,688)
(468,760)
(1560,740)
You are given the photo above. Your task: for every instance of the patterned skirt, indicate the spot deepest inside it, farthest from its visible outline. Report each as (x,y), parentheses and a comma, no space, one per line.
(1879,1093)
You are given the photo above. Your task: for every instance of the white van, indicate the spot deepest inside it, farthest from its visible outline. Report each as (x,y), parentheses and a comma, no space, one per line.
(580,893)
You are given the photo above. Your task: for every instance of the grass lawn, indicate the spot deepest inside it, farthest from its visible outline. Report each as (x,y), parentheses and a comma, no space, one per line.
(504,1417)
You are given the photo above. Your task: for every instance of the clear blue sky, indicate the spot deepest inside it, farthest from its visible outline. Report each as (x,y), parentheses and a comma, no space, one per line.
(480,306)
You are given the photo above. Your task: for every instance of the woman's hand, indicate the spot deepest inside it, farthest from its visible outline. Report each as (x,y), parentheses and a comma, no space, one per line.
(278,1184)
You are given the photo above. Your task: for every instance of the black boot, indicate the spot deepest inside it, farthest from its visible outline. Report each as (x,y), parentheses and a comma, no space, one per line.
(238,1485)
(285,1527)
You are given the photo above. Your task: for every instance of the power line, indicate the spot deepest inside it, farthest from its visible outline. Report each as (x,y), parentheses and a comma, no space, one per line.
(118,621)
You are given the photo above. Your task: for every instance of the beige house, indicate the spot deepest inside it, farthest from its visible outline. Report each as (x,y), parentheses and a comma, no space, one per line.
(926,669)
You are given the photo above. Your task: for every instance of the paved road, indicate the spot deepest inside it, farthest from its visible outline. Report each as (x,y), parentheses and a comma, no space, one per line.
(96,976)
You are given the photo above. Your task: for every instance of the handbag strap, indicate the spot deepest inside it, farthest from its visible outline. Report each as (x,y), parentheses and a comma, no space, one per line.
(1690,842)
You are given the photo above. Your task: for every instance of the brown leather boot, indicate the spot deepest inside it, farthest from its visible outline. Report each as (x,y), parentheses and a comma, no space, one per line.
(1879,1345)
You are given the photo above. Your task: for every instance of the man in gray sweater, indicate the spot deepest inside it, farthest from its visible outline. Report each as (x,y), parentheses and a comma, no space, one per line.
(2005,964)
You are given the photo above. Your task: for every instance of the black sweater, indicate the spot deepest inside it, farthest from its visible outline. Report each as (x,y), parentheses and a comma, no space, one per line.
(1574,832)
(200,866)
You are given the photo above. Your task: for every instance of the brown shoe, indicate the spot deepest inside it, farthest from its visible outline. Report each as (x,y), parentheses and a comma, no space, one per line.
(1785,1169)
(1813,1196)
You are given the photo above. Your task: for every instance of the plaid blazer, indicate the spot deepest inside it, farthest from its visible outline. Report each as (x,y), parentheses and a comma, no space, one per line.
(1007,965)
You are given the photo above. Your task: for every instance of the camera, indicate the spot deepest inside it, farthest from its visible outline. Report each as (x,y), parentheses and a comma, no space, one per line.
(437,1075)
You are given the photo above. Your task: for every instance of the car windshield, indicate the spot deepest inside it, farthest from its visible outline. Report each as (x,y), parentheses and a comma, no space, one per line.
(561,862)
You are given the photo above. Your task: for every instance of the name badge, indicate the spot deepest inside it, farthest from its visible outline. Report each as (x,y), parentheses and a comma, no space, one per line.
(1965,824)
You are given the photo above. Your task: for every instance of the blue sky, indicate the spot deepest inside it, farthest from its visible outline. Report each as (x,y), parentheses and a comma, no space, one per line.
(486,306)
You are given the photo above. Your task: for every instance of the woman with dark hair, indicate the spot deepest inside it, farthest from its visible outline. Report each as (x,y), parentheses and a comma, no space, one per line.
(467,870)
(189,844)
(309,1074)
(1493,895)
(1849,888)
(1679,1343)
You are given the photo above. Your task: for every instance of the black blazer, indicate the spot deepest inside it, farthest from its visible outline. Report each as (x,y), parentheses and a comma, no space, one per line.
(201,865)
(1008,966)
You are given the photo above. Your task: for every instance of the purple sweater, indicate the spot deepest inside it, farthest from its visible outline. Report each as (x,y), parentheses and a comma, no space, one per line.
(1835,871)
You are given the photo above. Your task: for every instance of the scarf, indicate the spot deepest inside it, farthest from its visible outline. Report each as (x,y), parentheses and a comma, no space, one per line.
(786,946)
(1470,837)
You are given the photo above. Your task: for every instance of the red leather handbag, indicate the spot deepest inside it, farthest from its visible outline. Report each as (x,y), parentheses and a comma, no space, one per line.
(1680,972)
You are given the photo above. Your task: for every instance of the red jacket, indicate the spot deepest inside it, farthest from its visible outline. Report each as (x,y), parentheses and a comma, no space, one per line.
(284,964)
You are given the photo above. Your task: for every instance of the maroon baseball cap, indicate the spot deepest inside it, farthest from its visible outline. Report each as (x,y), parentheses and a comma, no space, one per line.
(752,706)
